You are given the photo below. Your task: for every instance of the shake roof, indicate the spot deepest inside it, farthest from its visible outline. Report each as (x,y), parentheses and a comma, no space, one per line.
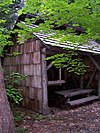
(92,46)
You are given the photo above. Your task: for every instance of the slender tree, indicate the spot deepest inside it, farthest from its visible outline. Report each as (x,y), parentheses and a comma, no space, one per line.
(8,8)
(6,118)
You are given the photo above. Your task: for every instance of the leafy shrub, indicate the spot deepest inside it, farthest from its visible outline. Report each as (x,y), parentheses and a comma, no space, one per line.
(13,94)
(18,117)
(11,82)
(70,61)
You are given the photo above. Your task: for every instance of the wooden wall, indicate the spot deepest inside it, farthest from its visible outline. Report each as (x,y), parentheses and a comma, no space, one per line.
(28,62)
(31,62)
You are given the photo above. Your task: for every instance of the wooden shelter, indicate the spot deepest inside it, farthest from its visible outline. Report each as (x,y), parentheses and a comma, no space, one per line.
(43,79)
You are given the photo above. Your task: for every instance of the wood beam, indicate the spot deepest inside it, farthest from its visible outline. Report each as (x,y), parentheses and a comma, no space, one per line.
(56,82)
(94,62)
(91,78)
(74,92)
(59,73)
(49,66)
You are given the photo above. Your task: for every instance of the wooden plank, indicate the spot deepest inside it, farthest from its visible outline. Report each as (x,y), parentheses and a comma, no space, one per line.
(75,92)
(37,45)
(37,82)
(31,72)
(26,69)
(56,82)
(49,66)
(31,80)
(83,100)
(31,93)
(36,57)
(91,78)
(60,74)
(37,69)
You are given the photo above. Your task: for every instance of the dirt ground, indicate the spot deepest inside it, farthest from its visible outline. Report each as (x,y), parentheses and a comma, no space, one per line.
(83,119)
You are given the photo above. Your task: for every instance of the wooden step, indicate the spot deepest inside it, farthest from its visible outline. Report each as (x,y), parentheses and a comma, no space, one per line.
(74,92)
(83,100)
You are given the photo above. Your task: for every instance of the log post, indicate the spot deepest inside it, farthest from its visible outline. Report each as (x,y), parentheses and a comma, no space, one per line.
(44,83)
(59,73)
(98,67)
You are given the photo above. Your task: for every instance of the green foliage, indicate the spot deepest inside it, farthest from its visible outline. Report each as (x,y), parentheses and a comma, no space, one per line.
(4,34)
(18,116)
(8,10)
(75,13)
(11,83)
(15,54)
(70,61)
(14,95)
(83,14)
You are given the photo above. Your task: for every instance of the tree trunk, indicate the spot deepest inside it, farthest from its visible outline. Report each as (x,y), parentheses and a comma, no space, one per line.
(6,118)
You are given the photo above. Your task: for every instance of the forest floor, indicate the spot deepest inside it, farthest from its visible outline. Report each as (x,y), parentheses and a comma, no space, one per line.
(83,119)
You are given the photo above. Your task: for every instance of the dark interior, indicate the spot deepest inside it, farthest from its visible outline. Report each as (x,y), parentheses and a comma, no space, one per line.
(71,82)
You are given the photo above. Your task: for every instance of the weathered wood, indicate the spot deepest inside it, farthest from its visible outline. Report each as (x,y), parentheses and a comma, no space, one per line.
(56,82)
(59,73)
(36,57)
(31,93)
(91,78)
(83,100)
(39,99)
(74,92)
(44,82)
(31,72)
(31,58)
(37,82)
(26,58)
(32,81)
(28,63)
(26,69)
(49,66)
(29,46)
(53,50)
(37,69)
(94,62)
(37,45)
